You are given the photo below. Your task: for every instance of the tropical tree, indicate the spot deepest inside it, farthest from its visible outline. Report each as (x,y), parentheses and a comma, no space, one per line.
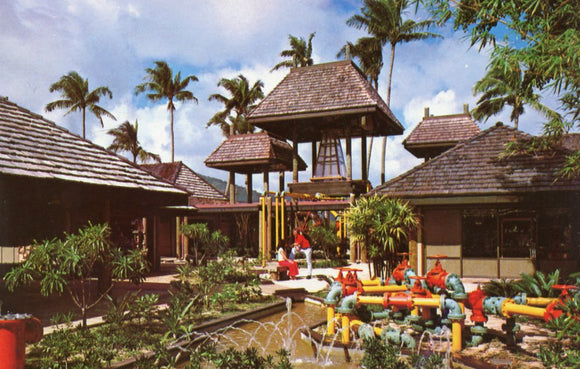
(383,20)
(203,241)
(381,224)
(70,265)
(505,84)
(300,53)
(125,139)
(75,95)
(162,84)
(369,52)
(542,35)
(243,98)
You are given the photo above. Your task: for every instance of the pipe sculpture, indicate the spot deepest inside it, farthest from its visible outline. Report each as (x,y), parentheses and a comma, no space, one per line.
(15,331)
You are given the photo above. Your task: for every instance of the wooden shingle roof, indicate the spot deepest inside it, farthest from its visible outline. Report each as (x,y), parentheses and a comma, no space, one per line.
(32,146)
(253,153)
(330,96)
(436,134)
(476,167)
(181,175)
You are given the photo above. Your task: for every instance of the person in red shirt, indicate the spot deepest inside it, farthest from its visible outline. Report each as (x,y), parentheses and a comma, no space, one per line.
(302,244)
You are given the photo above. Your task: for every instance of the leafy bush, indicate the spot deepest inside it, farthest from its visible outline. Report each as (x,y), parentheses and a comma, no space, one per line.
(325,239)
(379,354)
(501,288)
(539,284)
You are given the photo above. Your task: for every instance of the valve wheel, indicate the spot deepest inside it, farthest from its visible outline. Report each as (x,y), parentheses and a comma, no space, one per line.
(437,256)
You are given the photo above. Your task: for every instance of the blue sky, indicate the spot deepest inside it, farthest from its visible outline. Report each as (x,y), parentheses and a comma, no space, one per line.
(112,42)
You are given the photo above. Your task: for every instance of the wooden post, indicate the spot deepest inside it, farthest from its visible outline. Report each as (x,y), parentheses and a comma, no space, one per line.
(314,157)
(232,188)
(363,156)
(266,182)
(294,156)
(249,188)
(281,182)
(348,157)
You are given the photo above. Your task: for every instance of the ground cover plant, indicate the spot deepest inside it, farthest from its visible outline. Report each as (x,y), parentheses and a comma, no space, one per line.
(134,324)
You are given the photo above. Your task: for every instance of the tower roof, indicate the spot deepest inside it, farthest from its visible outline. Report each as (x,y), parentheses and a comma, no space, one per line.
(330,96)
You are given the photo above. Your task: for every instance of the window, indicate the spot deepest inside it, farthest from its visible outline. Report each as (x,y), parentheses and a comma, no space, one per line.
(479,233)
(518,238)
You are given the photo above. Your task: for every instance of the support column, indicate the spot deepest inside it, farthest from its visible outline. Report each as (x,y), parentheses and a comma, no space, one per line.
(363,156)
(314,157)
(232,189)
(294,156)
(266,182)
(281,182)
(348,157)
(249,188)
(420,267)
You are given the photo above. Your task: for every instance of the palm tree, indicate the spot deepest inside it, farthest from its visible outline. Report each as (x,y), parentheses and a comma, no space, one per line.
(76,96)
(244,97)
(381,223)
(125,139)
(383,19)
(161,83)
(369,52)
(300,53)
(506,83)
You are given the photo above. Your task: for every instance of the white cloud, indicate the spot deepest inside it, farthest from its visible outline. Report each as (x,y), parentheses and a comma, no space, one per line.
(111,43)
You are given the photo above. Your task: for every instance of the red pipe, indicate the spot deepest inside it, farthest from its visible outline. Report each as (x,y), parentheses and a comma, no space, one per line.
(15,331)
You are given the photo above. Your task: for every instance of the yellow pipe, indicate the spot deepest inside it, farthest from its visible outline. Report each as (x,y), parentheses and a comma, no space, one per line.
(382,289)
(371,282)
(456,328)
(509,308)
(355,323)
(540,301)
(263,220)
(330,325)
(283,214)
(370,300)
(277,217)
(427,302)
(415,311)
(345,329)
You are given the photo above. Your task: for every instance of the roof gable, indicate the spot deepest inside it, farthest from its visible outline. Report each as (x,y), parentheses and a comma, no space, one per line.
(477,167)
(32,146)
(183,176)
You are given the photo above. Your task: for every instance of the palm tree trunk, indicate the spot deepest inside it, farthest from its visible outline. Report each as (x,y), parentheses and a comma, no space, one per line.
(384,148)
(172,136)
(84,113)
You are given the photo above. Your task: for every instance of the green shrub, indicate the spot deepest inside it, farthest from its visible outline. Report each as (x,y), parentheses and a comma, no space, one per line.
(539,284)
(501,288)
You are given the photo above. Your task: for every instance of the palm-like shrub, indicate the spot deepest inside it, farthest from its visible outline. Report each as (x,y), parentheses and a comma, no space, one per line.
(539,284)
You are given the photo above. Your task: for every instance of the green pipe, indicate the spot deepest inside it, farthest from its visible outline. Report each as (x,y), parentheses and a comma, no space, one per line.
(347,305)
(334,295)
(453,283)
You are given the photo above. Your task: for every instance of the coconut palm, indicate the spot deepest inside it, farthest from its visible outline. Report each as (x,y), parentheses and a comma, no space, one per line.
(162,84)
(506,83)
(243,98)
(125,139)
(369,52)
(300,53)
(381,223)
(383,19)
(76,96)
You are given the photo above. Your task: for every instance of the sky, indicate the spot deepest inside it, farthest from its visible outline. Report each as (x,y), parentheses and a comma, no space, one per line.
(111,43)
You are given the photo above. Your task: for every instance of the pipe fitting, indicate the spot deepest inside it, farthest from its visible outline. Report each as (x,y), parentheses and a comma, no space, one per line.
(453,283)
(453,309)
(348,304)
(366,331)
(334,295)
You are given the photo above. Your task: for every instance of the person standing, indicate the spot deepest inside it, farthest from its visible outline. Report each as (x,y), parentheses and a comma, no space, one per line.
(301,243)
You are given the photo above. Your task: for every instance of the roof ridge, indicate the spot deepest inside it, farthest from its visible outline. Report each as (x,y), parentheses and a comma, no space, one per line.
(460,145)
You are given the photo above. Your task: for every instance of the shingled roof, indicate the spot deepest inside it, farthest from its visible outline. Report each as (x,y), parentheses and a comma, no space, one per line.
(32,146)
(436,134)
(253,153)
(331,96)
(476,167)
(181,175)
